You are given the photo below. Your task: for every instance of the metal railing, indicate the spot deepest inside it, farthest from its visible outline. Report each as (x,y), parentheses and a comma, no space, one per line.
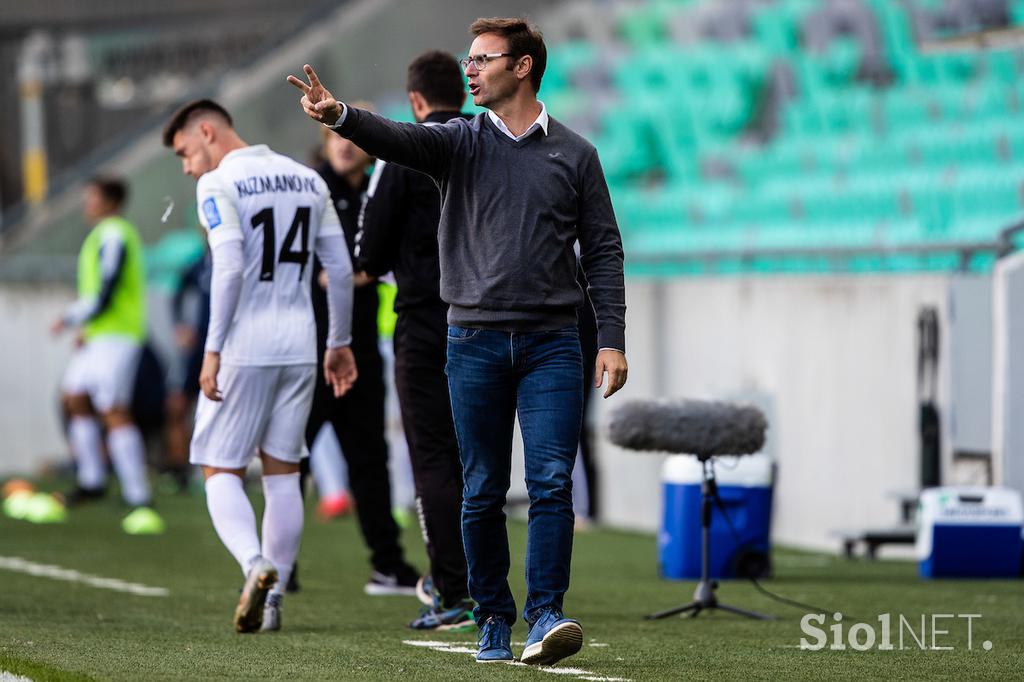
(838,257)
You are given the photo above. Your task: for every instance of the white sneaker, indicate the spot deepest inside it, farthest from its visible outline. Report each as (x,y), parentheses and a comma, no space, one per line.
(249,614)
(389,584)
(425,591)
(272,614)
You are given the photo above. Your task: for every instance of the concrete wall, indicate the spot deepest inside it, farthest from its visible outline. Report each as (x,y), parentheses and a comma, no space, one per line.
(831,358)
(31,365)
(1008,378)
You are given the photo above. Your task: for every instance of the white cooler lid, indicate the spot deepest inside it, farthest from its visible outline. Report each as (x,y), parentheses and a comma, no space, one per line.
(751,471)
(965,506)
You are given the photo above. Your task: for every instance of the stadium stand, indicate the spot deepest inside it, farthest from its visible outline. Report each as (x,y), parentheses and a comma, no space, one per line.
(748,136)
(797,135)
(117,65)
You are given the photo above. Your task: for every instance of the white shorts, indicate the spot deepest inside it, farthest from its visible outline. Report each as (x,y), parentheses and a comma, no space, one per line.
(263,408)
(104,369)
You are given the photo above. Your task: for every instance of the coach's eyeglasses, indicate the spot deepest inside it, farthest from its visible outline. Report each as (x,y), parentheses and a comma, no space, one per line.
(480,61)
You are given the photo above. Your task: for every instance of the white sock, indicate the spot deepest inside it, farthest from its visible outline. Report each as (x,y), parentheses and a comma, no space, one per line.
(282,524)
(128,455)
(327,464)
(233,518)
(84,435)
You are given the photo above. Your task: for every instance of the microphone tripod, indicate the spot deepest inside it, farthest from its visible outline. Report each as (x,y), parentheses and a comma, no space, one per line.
(704,596)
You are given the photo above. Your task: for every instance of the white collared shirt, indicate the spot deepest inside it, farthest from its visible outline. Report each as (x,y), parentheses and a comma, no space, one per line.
(541,122)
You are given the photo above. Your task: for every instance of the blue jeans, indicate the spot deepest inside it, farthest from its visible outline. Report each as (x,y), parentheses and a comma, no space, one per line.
(492,375)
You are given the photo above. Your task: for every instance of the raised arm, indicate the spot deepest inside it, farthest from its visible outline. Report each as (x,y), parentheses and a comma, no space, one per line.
(428,149)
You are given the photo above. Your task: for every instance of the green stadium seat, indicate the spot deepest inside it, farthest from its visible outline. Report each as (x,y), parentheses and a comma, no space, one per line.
(1017,12)
(935,156)
(776,31)
(1002,66)
(647,24)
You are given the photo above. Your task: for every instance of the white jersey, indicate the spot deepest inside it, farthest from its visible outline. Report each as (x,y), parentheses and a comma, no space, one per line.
(277,207)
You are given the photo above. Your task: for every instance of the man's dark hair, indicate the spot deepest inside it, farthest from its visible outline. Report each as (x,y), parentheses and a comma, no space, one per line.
(523,39)
(436,75)
(114,190)
(187,112)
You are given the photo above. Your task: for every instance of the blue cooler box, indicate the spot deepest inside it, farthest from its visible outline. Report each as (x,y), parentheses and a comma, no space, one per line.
(745,486)
(969,532)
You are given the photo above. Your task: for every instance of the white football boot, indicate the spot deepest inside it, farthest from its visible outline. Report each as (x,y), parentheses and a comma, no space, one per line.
(272,614)
(249,614)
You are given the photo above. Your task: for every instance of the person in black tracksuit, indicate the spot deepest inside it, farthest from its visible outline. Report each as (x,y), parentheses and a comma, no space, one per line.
(358,416)
(398,233)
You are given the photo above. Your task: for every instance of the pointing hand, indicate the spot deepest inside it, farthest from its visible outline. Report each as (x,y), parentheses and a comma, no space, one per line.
(317,101)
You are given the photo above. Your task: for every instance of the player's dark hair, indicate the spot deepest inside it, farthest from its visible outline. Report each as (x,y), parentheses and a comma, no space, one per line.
(436,75)
(114,190)
(523,39)
(189,111)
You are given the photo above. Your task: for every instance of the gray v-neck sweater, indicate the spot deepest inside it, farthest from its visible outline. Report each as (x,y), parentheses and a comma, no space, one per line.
(511,213)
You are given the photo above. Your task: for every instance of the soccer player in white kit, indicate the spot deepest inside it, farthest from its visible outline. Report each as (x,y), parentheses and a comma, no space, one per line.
(265,214)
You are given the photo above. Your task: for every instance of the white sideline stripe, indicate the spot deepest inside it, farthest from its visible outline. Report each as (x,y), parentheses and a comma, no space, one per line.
(803,562)
(11,677)
(19,565)
(566,671)
(457,648)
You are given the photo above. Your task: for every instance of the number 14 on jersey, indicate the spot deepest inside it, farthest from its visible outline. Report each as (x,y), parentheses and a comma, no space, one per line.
(299,230)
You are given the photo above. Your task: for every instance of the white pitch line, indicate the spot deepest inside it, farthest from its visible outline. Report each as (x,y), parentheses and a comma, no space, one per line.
(425,643)
(19,565)
(803,562)
(582,674)
(11,677)
(456,648)
(566,671)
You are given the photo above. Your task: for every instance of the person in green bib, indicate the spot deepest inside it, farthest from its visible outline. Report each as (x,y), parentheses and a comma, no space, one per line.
(110,320)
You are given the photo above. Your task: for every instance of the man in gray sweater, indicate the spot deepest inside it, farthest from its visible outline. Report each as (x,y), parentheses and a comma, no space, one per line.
(518,190)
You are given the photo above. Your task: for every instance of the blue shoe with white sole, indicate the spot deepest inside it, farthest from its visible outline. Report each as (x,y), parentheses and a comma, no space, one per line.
(552,638)
(495,641)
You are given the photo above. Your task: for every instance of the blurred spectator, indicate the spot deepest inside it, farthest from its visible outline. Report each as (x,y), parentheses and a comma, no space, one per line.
(358,416)
(110,320)
(190,314)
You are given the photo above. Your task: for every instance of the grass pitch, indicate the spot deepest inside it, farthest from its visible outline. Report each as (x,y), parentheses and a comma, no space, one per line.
(51,629)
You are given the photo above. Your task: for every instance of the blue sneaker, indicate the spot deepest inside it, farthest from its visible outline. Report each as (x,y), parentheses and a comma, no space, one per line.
(495,641)
(552,638)
(458,618)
